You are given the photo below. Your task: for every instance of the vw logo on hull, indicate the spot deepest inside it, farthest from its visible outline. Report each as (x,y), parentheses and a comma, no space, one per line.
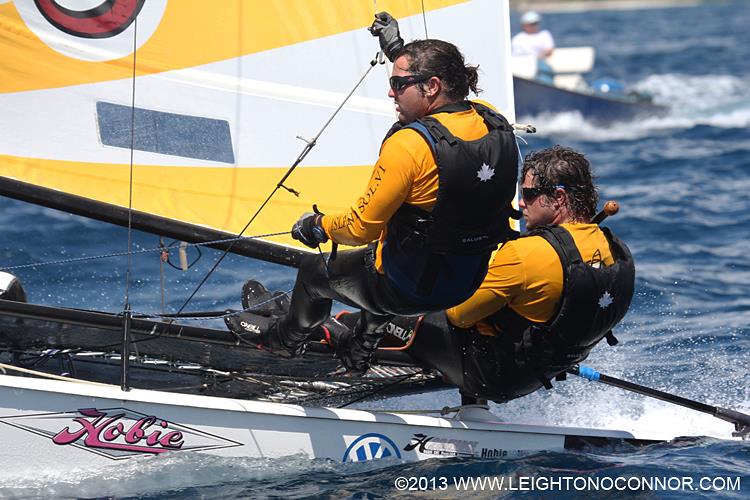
(371,446)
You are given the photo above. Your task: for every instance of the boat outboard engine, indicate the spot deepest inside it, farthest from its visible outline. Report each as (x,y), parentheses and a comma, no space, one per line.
(11,288)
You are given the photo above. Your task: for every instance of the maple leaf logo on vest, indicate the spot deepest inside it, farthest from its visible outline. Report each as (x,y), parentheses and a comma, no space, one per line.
(605,300)
(485,173)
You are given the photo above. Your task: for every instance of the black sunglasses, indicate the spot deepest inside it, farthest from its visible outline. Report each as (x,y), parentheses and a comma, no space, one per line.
(531,194)
(399,83)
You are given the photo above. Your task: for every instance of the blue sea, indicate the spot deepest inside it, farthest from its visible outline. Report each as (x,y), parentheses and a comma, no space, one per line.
(683,184)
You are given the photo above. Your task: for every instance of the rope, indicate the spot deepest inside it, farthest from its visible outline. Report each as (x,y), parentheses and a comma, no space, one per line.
(133,252)
(36,373)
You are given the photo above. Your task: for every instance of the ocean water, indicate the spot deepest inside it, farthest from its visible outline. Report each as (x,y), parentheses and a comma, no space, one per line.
(682,182)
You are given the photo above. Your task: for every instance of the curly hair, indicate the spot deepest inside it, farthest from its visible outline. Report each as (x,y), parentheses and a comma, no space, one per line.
(560,166)
(444,60)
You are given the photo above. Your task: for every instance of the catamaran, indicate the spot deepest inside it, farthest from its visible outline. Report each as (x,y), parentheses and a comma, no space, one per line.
(183,120)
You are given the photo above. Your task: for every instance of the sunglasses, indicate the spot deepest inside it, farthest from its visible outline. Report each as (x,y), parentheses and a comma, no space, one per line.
(399,83)
(531,194)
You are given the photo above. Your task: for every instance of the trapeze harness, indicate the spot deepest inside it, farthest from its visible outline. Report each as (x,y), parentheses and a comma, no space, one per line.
(439,258)
(529,355)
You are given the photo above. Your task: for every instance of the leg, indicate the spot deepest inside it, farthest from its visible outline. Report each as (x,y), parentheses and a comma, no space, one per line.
(439,346)
(350,278)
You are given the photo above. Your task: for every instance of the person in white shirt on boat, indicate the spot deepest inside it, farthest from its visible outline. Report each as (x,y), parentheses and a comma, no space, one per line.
(532,40)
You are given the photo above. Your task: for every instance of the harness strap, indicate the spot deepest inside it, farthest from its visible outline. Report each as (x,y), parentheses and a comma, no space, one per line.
(611,339)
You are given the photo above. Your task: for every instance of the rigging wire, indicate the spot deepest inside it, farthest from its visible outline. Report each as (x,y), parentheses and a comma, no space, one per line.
(161,274)
(125,349)
(134,252)
(309,144)
(424,20)
(130,181)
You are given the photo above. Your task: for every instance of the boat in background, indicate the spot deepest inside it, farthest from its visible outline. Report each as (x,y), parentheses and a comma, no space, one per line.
(556,85)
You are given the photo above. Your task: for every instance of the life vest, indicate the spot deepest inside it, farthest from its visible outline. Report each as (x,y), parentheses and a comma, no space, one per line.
(529,355)
(439,258)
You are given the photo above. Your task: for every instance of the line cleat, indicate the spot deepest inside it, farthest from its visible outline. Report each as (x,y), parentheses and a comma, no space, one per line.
(266,332)
(258,300)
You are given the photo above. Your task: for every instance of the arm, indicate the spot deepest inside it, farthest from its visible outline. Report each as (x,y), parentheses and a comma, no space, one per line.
(389,185)
(548,44)
(505,280)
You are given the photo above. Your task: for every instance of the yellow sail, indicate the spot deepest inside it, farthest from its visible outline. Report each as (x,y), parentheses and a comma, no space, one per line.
(219,94)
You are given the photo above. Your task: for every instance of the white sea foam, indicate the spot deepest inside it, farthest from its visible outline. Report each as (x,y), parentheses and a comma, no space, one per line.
(173,472)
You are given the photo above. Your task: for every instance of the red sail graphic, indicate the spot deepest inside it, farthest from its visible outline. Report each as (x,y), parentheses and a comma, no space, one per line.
(106,20)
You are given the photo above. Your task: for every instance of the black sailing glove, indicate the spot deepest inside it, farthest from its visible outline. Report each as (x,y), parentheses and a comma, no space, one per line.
(355,352)
(385,27)
(309,231)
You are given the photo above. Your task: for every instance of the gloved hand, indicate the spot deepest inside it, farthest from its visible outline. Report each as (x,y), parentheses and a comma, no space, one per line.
(385,27)
(355,352)
(309,231)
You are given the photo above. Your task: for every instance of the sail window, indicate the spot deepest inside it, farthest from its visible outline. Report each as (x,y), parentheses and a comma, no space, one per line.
(165,133)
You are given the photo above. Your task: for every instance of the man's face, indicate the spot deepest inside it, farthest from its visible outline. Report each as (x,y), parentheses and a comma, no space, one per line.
(530,27)
(411,104)
(538,210)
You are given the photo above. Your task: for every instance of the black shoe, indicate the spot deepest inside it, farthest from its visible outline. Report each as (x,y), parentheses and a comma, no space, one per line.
(257,300)
(354,350)
(336,333)
(265,332)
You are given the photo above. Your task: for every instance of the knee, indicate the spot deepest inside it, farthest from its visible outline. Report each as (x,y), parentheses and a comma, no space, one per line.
(311,269)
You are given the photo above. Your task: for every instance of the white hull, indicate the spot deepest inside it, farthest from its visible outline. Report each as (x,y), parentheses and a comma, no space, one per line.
(42,429)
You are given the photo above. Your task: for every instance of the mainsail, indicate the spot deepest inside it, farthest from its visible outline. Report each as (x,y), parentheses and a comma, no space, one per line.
(220,94)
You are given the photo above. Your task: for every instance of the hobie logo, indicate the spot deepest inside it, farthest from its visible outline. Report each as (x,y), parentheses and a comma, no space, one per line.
(92,30)
(97,429)
(371,447)
(117,432)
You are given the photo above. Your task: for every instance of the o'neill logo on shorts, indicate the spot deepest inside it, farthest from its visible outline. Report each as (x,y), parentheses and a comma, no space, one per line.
(371,446)
(118,433)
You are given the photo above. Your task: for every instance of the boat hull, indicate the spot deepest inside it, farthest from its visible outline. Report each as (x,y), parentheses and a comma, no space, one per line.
(53,426)
(534,98)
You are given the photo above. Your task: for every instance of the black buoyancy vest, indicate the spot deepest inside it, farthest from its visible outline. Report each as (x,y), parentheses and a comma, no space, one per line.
(594,300)
(440,257)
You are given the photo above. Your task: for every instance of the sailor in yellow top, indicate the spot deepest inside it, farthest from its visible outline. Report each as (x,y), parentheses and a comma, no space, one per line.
(548,297)
(526,276)
(435,208)
(406,172)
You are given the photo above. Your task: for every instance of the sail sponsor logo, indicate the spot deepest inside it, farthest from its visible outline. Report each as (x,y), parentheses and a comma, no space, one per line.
(430,445)
(98,19)
(372,446)
(92,30)
(118,433)
(375,181)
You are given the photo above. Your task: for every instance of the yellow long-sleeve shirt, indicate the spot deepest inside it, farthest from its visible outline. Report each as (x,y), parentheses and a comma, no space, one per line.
(405,172)
(527,276)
